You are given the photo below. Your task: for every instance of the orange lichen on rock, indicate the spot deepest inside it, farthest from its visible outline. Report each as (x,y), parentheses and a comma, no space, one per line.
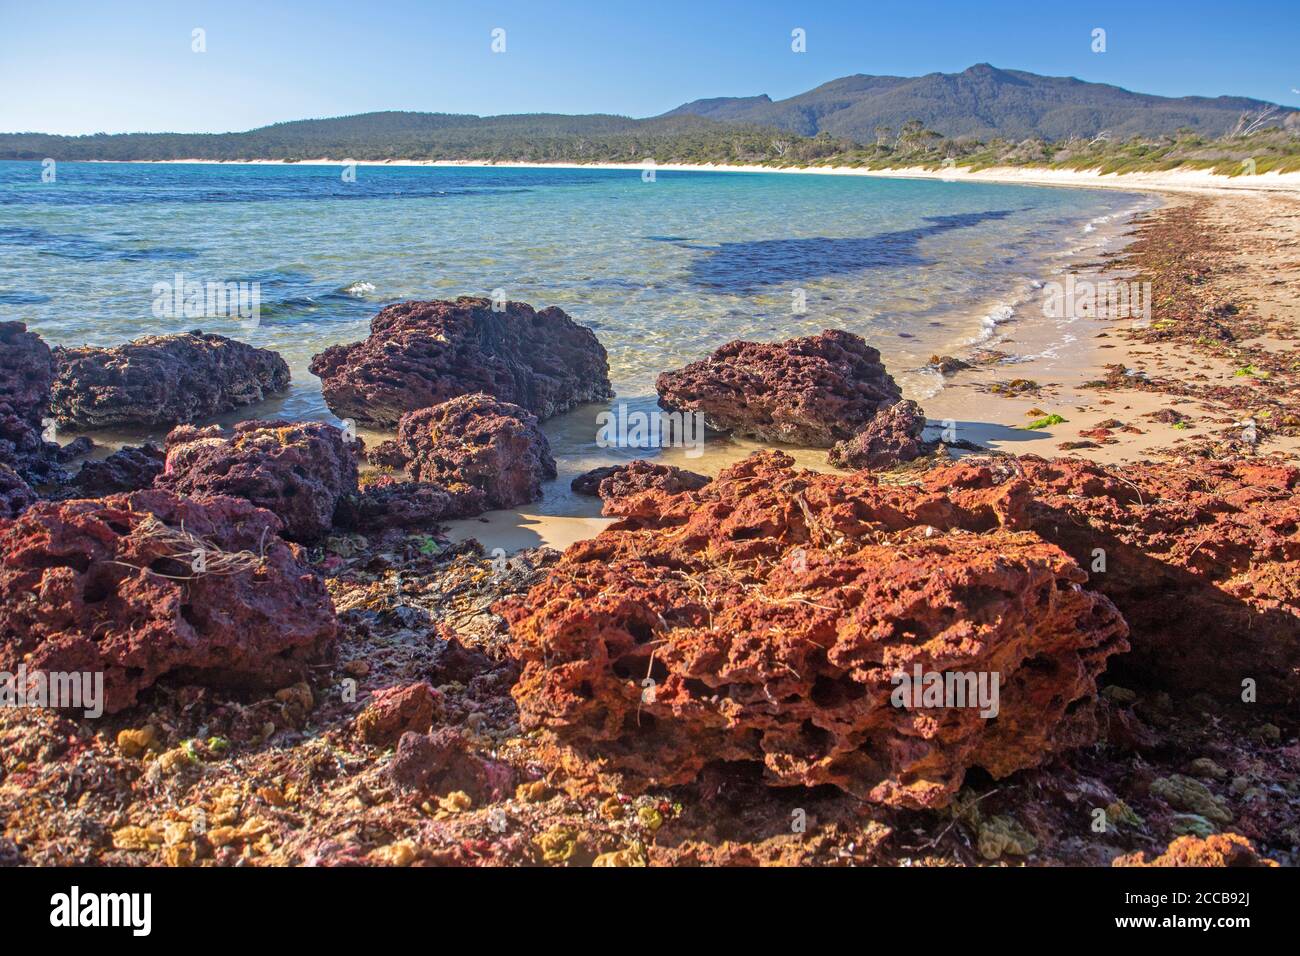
(1218,849)
(1201,557)
(766,617)
(398,710)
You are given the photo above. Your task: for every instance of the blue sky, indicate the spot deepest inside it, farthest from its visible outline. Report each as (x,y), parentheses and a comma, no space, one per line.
(82,66)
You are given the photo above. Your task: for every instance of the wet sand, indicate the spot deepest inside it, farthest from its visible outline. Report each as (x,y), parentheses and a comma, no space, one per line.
(1262,232)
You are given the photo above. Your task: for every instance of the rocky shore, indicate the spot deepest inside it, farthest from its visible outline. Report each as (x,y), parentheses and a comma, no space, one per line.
(300,668)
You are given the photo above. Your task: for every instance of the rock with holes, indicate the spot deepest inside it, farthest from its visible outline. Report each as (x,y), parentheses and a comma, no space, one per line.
(132,468)
(26,371)
(619,481)
(148,586)
(162,380)
(889,439)
(15,494)
(296,470)
(775,616)
(486,453)
(1201,557)
(385,503)
(421,353)
(811,391)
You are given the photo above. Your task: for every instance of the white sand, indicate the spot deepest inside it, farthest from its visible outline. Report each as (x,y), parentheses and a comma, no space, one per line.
(1177,180)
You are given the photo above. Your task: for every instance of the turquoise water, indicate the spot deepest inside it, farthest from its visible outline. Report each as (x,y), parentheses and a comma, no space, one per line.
(663,271)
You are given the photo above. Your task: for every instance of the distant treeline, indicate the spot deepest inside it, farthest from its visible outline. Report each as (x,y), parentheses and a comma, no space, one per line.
(544,138)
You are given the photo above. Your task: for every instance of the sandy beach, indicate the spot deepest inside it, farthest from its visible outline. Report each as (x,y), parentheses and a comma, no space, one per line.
(1200,396)
(1261,265)
(1170,181)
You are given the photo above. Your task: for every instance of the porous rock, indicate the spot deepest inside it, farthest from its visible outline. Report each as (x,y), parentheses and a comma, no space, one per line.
(15,494)
(296,470)
(1216,850)
(421,353)
(889,439)
(385,503)
(26,371)
(132,468)
(162,380)
(811,391)
(487,453)
(772,610)
(1201,557)
(619,481)
(117,585)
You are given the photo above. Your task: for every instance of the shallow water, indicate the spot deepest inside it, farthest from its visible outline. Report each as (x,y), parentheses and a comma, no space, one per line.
(663,271)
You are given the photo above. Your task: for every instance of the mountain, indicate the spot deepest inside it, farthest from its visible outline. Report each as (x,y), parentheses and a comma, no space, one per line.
(982,102)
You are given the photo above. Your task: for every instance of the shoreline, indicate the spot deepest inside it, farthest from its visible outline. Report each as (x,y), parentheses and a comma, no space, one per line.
(1172,420)
(1171,181)
(1058,360)
(1176,393)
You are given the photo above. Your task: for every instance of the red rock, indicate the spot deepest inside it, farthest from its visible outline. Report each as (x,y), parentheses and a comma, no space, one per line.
(296,470)
(15,495)
(162,380)
(1123,729)
(23,450)
(26,371)
(811,391)
(487,453)
(1201,557)
(398,710)
(111,585)
(619,481)
(77,448)
(385,503)
(588,483)
(1216,850)
(441,762)
(977,505)
(132,468)
(454,661)
(421,353)
(772,609)
(892,437)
